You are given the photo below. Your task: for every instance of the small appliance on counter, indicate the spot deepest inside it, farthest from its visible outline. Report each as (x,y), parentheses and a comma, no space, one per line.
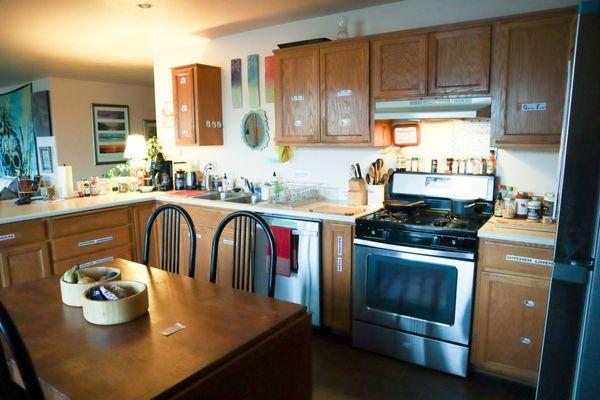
(191,180)
(162,174)
(414,269)
(180,179)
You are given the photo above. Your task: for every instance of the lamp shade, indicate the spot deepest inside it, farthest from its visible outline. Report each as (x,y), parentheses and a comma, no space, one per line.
(135,148)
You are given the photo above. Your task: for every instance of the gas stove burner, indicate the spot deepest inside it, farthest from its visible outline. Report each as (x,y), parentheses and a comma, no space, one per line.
(441,222)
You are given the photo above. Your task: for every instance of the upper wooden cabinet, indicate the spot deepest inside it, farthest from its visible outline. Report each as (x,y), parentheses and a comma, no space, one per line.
(530,74)
(197,105)
(459,61)
(399,66)
(297,96)
(344,76)
(322,94)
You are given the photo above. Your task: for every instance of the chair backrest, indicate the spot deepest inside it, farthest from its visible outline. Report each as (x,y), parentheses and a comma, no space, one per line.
(169,238)
(244,230)
(8,388)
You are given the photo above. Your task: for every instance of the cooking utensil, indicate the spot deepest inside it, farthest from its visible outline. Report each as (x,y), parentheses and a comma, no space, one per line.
(359,171)
(395,206)
(353,173)
(368,179)
(462,206)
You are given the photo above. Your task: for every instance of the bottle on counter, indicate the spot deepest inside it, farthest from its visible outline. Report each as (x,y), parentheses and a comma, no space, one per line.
(490,165)
(521,199)
(549,204)
(449,164)
(509,205)
(462,166)
(498,205)
(434,166)
(534,209)
(502,190)
(414,165)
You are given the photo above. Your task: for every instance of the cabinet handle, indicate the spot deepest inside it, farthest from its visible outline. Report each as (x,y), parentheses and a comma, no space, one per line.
(344,93)
(198,235)
(7,236)
(297,98)
(529,303)
(184,108)
(340,245)
(95,241)
(227,241)
(95,262)
(297,123)
(214,124)
(526,340)
(339,264)
(207,124)
(219,124)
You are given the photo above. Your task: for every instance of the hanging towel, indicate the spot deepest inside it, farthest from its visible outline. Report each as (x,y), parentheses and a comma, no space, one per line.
(284,243)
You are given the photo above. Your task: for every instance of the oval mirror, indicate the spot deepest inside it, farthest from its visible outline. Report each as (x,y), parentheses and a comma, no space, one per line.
(255,131)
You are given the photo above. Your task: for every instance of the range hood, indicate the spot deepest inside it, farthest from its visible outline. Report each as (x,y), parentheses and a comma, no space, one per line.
(465,107)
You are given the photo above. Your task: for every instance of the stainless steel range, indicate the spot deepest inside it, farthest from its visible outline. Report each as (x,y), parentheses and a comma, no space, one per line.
(414,269)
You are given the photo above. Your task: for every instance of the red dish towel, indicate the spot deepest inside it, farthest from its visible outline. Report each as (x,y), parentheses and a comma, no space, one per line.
(285,250)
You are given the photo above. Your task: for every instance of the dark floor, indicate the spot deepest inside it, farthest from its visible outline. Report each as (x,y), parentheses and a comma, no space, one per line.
(343,372)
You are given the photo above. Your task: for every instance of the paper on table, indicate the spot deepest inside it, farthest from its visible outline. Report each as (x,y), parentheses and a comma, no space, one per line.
(172,329)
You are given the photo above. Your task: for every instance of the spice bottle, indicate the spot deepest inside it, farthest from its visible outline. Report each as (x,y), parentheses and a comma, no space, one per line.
(449,163)
(498,205)
(434,166)
(522,198)
(491,163)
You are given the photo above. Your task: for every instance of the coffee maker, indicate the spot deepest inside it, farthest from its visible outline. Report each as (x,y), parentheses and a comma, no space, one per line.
(162,173)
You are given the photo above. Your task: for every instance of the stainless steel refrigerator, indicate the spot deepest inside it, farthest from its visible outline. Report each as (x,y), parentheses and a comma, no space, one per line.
(570,362)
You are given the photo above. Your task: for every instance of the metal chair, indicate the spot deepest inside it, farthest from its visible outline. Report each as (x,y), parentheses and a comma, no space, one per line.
(171,230)
(9,389)
(244,230)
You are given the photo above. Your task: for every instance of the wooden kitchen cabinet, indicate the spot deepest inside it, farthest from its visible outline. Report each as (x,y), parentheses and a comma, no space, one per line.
(24,263)
(197,105)
(459,61)
(204,237)
(139,218)
(344,77)
(399,67)
(337,277)
(510,309)
(530,75)
(297,96)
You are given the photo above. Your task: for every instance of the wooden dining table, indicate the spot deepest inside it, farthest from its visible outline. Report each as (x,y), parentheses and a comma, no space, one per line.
(235,345)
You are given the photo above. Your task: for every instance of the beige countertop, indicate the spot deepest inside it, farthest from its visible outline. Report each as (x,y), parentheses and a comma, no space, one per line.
(519,231)
(10,212)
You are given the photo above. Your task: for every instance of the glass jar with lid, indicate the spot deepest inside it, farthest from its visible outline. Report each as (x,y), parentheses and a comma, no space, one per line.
(509,206)
(521,199)
(534,208)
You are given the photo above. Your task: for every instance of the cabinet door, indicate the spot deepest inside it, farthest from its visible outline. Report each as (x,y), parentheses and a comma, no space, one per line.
(183,105)
(225,259)
(207,101)
(530,72)
(24,263)
(204,238)
(459,61)
(509,325)
(399,67)
(337,277)
(140,215)
(297,96)
(344,77)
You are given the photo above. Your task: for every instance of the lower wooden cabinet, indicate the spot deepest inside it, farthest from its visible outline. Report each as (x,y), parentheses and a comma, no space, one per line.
(337,277)
(97,258)
(139,218)
(24,263)
(510,310)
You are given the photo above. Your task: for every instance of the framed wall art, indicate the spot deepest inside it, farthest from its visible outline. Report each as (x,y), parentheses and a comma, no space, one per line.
(150,128)
(111,128)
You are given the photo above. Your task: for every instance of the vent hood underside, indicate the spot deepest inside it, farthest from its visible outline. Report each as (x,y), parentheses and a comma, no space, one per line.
(469,107)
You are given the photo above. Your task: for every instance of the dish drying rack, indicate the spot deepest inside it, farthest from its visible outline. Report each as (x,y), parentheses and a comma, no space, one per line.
(296,194)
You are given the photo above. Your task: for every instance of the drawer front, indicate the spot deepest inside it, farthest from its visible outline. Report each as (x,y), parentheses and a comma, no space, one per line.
(94,259)
(87,222)
(90,242)
(516,259)
(22,232)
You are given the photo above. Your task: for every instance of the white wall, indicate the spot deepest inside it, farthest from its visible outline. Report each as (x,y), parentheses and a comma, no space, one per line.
(328,165)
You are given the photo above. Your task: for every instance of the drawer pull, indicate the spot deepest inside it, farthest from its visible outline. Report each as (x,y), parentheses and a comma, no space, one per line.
(7,236)
(95,241)
(525,340)
(199,236)
(340,264)
(529,303)
(227,241)
(95,262)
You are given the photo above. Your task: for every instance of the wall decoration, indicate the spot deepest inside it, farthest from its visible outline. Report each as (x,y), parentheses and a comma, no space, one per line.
(236,82)
(150,129)
(40,104)
(253,91)
(111,128)
(46,159)
(270,79)
(255,130)
(17,137)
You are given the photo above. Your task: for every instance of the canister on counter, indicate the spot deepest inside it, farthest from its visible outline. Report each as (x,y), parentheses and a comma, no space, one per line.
(522,198)
(434,166)
(462,166)
(549,203)
(534,209)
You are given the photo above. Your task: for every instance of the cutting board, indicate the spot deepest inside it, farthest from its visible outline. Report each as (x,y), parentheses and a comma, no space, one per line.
(338,210)
(525,225)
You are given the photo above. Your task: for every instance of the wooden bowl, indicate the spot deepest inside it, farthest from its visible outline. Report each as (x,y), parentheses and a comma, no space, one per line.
(117,311)
(71,292)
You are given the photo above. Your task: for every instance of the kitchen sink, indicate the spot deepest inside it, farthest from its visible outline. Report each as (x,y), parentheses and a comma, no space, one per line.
(216,196)
(246,199)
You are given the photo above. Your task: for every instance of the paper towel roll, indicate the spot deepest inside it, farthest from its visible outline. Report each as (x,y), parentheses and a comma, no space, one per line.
(64,182)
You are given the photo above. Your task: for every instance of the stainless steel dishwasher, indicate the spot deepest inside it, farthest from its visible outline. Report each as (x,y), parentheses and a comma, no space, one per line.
(303,286)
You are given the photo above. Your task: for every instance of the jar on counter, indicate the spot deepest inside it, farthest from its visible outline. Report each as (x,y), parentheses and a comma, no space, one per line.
(548,205)
(521,200)
(455,165)
(462,166)
(449,164)
(534,209)
(434,166)
(414,164)
(509,206)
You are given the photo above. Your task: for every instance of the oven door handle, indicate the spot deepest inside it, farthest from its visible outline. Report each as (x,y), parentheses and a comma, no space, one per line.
(415,250)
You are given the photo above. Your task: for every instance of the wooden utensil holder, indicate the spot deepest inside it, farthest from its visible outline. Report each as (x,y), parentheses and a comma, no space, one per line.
(357,192)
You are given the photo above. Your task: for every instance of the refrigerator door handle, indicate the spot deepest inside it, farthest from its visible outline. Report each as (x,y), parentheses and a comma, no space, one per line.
(576,271)
(585,263)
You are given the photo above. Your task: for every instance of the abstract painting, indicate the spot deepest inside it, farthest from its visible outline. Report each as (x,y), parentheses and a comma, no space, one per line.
(253,92)
(17,136)
(270,79)
(150,129)
(236,82)
(40,104)
(111,128)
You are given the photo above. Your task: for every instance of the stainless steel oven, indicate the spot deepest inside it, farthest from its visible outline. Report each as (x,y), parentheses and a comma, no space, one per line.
(414,303)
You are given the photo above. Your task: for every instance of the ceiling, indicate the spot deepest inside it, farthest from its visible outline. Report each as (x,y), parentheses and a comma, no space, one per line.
(114,40)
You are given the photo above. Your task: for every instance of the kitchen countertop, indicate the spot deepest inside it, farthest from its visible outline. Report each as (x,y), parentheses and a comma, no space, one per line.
(519,231)
(10,212)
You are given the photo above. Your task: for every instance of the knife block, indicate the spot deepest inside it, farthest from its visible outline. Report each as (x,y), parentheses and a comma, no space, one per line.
(357,192)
